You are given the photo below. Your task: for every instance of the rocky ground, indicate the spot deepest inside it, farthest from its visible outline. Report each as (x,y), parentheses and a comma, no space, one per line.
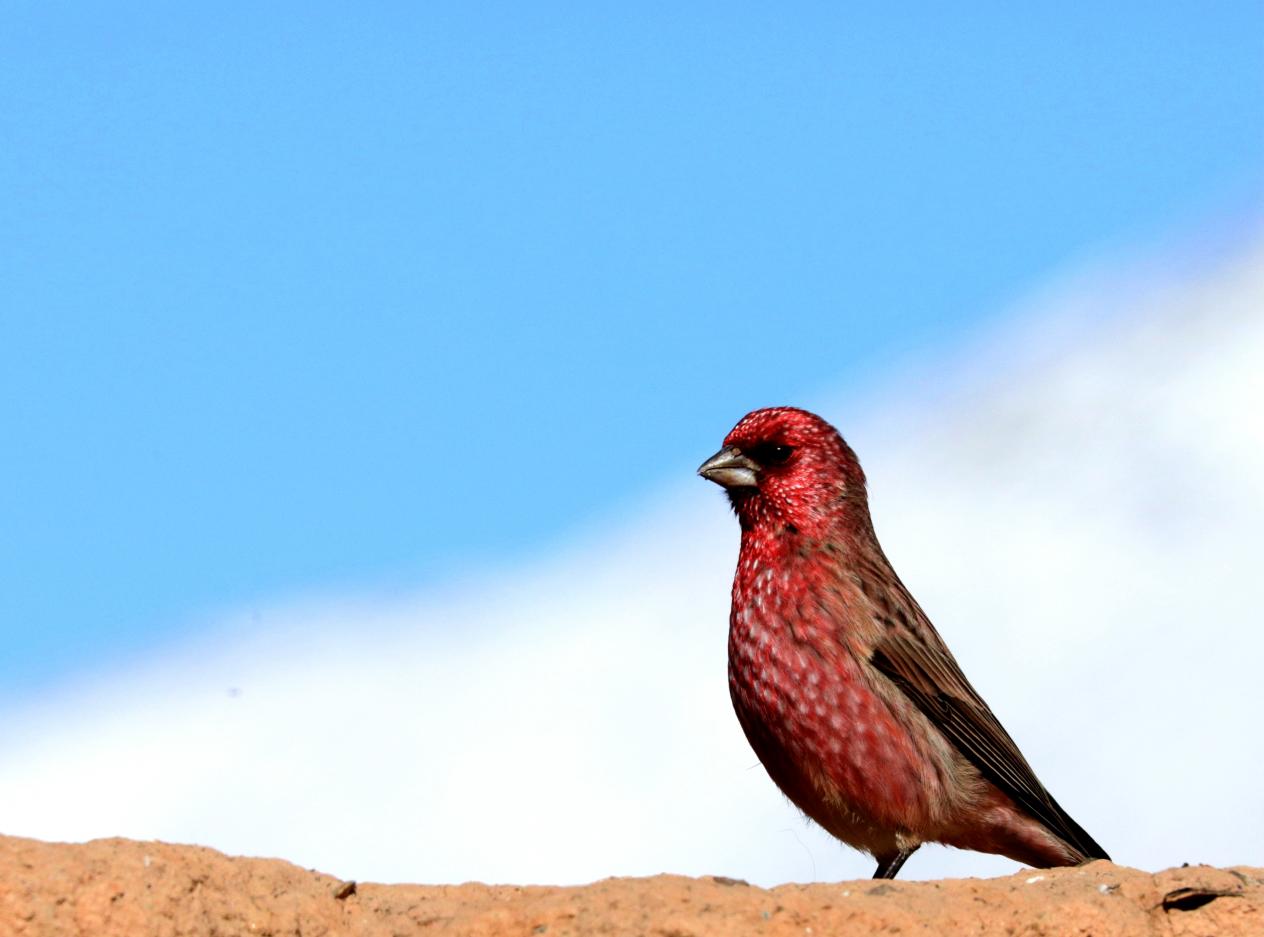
(120,887)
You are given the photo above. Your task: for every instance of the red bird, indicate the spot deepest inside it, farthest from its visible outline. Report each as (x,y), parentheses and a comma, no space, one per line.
(846,692)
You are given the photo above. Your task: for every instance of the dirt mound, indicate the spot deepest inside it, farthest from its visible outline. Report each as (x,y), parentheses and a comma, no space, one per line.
(120,887)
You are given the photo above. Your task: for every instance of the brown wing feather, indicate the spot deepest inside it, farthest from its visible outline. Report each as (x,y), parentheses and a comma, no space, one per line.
(913,655)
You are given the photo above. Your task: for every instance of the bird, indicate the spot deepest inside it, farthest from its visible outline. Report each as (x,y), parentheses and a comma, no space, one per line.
(843,687)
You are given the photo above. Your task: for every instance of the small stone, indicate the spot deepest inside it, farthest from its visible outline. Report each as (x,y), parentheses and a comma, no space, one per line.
(345,891)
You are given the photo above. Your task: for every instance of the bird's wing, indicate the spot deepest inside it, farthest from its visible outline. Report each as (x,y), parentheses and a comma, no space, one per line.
(916,659)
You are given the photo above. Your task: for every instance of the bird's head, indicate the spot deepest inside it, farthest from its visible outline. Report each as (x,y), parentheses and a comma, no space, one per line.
(787,466)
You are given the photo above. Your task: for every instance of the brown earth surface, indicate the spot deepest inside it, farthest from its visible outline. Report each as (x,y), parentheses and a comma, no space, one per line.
(120,887)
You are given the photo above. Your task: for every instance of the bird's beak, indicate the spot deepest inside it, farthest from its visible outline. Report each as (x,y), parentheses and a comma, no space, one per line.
(729,468)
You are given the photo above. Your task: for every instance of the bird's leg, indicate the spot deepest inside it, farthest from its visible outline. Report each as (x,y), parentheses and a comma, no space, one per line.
(889,866)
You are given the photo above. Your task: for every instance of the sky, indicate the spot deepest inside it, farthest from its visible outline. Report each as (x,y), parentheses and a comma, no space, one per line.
(1077,506)
(378,311)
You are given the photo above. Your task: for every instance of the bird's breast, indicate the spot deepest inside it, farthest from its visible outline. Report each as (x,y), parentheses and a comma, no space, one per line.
(808,702)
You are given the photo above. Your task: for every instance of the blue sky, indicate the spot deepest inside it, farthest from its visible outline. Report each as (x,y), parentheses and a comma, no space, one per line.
(303,297)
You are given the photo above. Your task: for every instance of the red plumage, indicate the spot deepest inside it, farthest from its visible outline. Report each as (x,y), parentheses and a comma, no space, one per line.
(846,692)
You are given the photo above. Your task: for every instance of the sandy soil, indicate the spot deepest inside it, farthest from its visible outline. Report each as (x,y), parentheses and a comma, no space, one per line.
(120,887)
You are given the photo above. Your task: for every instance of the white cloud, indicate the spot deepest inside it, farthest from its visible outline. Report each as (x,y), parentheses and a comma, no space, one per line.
(1078,503)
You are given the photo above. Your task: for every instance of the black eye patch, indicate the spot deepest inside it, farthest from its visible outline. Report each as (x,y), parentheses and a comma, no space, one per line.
(769,453)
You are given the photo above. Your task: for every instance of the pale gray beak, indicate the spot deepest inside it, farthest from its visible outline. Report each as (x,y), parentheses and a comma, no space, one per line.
(729,468)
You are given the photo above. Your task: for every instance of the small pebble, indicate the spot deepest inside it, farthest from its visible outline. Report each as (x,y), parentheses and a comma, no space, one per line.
(345,891)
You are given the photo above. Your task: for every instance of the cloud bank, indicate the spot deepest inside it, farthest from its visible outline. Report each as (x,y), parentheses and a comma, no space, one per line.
(1077,500)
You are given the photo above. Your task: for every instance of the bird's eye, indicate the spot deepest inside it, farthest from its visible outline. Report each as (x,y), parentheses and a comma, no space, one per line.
(769,453)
